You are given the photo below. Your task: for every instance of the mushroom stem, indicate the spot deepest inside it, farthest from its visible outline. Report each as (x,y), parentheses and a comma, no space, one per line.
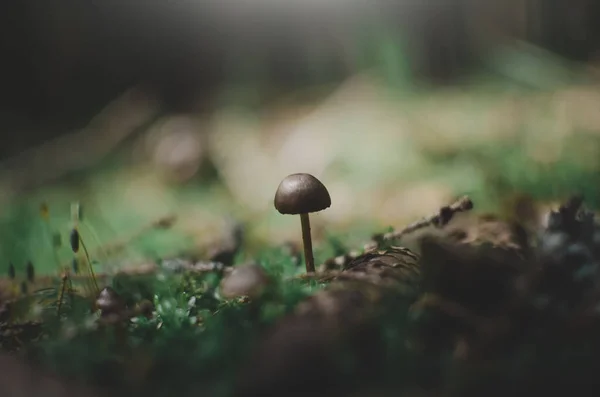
(308,252)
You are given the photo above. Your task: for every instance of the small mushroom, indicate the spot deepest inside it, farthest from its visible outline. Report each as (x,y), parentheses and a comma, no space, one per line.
(109,302)
(244,280)
(301,194)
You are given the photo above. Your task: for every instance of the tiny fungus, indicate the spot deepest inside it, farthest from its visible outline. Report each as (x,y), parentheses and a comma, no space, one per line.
(113,313)
(109,302)
(301,194)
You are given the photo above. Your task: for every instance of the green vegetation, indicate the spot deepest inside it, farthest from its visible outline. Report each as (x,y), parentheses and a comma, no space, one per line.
(194,341)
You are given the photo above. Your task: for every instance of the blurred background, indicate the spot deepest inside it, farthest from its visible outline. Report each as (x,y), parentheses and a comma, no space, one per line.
(197,109)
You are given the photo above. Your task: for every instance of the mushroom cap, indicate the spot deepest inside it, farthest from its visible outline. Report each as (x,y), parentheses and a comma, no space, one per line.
(301,194)
(109,301)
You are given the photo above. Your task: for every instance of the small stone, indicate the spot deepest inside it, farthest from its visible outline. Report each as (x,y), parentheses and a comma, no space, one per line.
(244,280)
(145,308)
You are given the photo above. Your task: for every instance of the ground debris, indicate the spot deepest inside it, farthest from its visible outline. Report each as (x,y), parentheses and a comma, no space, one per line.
(483,290)
(336,319)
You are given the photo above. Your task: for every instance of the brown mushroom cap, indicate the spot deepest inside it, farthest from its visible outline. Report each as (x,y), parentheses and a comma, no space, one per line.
(109,301)
(301,194)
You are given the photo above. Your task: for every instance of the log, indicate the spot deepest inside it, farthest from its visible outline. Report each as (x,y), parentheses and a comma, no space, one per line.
(471,295)
(298,356)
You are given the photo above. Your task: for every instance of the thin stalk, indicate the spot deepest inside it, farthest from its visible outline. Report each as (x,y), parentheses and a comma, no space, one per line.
(87,257)
(306,239)
(62,294)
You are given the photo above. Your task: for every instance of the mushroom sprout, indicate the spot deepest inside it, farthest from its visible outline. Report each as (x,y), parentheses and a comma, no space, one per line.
(109,303)
(301,194)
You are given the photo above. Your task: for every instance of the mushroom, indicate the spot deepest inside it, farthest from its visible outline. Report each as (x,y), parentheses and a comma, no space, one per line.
(244,280)
(300,194)
(109,302)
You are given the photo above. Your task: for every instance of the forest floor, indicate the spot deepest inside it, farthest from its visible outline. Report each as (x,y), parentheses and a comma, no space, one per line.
(175,230)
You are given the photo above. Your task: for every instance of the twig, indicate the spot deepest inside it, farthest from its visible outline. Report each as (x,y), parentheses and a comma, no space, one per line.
(89,262)
(440,219)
